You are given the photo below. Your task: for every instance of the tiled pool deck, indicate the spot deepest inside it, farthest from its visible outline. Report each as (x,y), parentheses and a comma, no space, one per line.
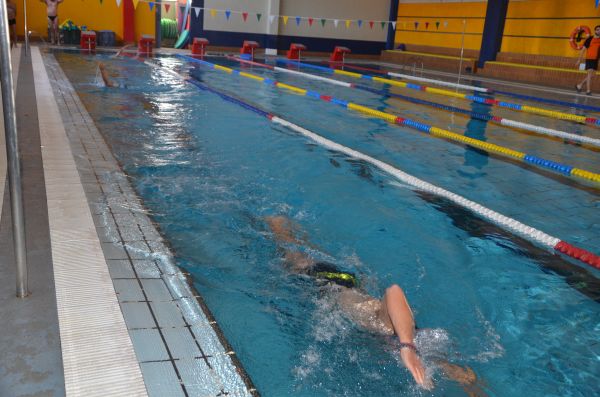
(130,324)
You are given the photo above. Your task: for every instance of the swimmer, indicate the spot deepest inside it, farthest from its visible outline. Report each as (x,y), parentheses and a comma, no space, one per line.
(106,78)
(52,12)
(390,315)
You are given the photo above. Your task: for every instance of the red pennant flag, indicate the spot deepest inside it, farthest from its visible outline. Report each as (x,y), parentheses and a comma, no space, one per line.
(245,16)
(167,6)
(310,21)
(371,24)
(426,25)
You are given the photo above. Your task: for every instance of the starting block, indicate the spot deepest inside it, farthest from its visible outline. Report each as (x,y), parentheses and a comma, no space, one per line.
(199,46)
(146,44)
(88,40)
(294,51)
(339,54)
(247,50)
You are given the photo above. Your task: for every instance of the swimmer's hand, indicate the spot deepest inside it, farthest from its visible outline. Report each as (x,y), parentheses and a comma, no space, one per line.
(413,363)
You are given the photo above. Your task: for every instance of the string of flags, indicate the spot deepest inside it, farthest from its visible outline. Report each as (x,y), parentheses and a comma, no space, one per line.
(227,15)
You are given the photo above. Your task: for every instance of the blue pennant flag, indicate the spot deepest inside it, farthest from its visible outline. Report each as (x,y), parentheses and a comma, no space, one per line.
(151,6)
(298,21)
(597,2)
(359,23)
(227,14)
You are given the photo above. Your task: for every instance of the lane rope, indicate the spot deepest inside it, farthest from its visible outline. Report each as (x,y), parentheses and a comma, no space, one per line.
(478,116)
(487,90)
(438,91)
(433,131)
(532,234)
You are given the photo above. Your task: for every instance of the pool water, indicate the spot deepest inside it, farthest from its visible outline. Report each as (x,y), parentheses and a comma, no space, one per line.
(209,171)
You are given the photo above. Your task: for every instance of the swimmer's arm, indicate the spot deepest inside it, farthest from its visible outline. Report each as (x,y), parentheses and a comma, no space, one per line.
(105,77)
(465,377)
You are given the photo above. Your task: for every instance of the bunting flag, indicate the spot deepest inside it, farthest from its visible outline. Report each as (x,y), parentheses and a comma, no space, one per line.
(271,18)
(360,23)
(323,22)
(285,19)
(258,15)
(382,25)
(335,22)
(227,14)
(597,2)
(426,25)
(118,3)
(445,24)
(150,4)
(348,22)
(371,23)
(404,25)
(393,25)
(244,16)
(310,21)
(167,6)
(298,19)
(416,25)
(197,11)
(135,4)
(213,13)
(437,25)
(100,1)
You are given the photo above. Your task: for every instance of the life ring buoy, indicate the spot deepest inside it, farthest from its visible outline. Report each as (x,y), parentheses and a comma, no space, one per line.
(577,35)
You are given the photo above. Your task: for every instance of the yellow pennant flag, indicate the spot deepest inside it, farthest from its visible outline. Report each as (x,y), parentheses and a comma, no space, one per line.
(135,3)
(285,19)
(213,13)
(348,22)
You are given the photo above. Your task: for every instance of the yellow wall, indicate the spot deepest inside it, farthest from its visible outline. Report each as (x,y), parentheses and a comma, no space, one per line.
(91,13)
(548,34)
(445,36)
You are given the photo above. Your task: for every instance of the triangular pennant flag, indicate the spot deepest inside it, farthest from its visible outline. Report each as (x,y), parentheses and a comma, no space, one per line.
(445,24)
(382,25)
(151,5)
(118,3)
(348,22)
(227,14)
(197,11)
(416,25)
(100,1)
(371,24)
(597,2)
(135,4)
(213,13)
(323,21)
(298,21)
(393,25)
(271,18)
(285,19)
(167,7)
(426,25)
(244,16)
(437,25)
(404,25)
(258,15)
(360,23)
(335,22)
(310,21)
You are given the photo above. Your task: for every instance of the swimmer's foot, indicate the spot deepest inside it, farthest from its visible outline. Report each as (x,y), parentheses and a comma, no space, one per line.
(413,363)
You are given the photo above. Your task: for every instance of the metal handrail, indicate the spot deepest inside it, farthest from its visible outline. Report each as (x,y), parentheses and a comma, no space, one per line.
(12,154)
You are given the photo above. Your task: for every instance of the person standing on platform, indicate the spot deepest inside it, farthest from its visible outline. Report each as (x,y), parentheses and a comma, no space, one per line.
(591,48)
(52,12)
(11,9)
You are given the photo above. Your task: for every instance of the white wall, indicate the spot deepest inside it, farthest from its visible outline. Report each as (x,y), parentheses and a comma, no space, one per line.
(376,10)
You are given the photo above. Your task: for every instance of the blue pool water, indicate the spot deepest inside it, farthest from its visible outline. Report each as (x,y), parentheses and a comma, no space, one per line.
(210,171)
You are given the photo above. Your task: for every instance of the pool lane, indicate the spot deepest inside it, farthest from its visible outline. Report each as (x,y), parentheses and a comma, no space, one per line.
(565,169)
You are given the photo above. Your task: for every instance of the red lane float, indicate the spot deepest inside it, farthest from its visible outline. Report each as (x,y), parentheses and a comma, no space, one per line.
(578,253)
(576,36)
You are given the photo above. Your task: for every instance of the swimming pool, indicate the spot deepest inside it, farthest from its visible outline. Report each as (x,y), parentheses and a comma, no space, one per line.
(210,171)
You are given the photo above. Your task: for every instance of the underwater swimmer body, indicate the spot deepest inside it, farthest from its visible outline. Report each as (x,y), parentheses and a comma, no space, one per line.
(390,315)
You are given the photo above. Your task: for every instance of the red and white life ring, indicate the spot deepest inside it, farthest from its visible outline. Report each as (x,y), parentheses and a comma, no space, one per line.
(577,35)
